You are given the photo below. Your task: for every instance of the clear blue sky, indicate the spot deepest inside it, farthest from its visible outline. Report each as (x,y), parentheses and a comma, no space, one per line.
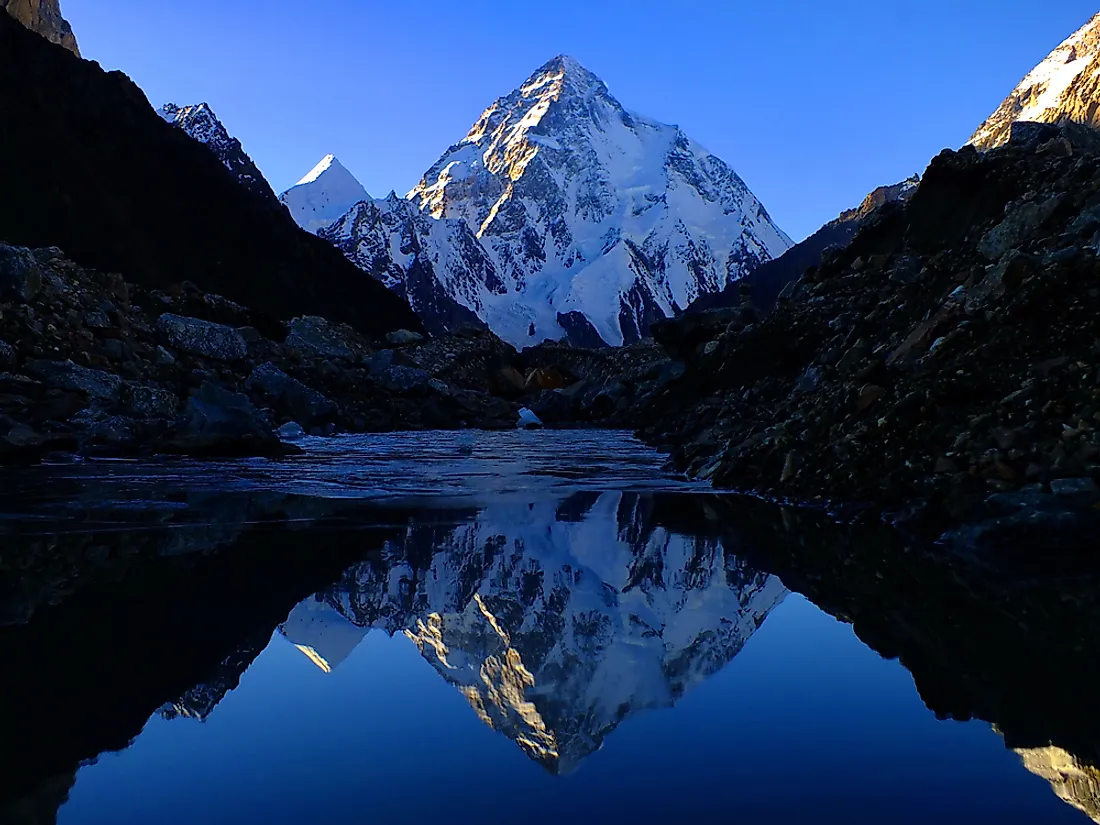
(814,103)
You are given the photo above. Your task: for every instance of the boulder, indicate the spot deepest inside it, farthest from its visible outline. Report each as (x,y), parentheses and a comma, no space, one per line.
(403,380)
(218,422)
(149,402)
(386,358)
(1018,226)
(301,402)
(404,338)
(554,407)
(202,338)
(291,431)
(681,336)
(65,375)
(7,354)
(317,338)
(20,274)
(95,427)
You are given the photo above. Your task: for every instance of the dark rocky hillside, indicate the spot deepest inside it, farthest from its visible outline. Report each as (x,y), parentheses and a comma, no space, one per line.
(88,165)
(948,354)
(766,282)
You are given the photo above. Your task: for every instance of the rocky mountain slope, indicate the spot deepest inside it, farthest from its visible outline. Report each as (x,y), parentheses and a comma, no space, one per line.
(126,192)
(947,354)
(438,266)
(324,195)
(763,285)
(553,645)
(203,125)
(1065,86)
(43,17)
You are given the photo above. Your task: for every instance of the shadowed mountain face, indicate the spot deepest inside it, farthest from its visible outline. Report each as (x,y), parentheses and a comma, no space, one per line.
(93,169)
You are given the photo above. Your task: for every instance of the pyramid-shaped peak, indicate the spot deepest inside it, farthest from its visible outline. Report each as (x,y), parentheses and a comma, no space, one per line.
(325,194)
(329,163)
(563,74)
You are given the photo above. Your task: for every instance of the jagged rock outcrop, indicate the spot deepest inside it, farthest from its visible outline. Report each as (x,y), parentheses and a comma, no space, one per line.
(121,190)
(203,125)
(946,354)
(1064,87)
(43,17)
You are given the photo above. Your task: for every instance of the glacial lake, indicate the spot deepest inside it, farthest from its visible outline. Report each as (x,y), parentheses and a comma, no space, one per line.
(535,627)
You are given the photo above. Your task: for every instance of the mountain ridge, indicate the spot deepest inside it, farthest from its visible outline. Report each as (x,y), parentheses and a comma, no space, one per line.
(1065,86)
(200,122)
(126,192)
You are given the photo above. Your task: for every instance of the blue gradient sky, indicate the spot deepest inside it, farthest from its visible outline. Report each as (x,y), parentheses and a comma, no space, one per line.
(814,103)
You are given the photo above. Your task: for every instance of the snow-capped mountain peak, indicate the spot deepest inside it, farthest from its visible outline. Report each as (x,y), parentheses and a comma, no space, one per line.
(589,211)
(1064,86)
(200,122)
(324,195)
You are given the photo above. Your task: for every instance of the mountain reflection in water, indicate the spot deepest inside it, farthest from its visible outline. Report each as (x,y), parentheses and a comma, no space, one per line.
(555,620)
(559,608)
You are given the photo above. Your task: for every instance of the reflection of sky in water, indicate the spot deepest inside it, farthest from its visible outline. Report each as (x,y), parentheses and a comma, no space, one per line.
(805,725)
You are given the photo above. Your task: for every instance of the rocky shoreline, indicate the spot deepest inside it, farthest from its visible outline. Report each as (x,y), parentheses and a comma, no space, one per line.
(93,364)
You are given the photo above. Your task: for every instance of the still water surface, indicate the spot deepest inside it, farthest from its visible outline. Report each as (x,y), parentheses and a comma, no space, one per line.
(530,627)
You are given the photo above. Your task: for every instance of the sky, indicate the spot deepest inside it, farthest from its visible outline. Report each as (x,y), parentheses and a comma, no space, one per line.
(813,102)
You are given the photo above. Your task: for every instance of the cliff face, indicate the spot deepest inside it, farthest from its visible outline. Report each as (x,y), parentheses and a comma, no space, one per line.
(89,166)
(43,17)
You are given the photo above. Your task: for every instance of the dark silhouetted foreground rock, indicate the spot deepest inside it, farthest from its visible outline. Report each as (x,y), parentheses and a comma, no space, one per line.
(948,354)
(87,164)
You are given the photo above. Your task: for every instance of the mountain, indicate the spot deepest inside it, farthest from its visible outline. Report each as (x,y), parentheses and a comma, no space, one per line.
(1065,86)
(438,266)
(584,207)
(121,190)
(563,215)
(43,17)
(324,195)
(766,282)
(203,125)
(556,620)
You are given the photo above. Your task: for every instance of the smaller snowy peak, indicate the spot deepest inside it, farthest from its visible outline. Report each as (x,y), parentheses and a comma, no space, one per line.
(1063,87)
(324,195)
(200,122)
